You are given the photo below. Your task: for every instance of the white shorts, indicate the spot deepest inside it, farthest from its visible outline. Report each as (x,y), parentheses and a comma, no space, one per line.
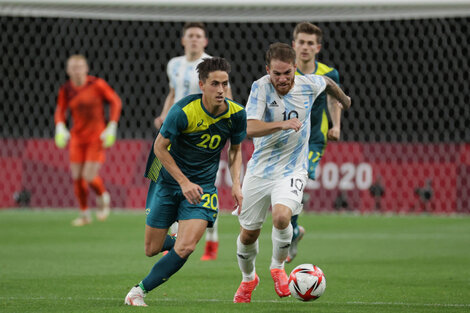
(259,194)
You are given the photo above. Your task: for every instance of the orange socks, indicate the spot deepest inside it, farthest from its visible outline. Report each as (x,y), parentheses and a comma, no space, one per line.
(97,185)
(81,192)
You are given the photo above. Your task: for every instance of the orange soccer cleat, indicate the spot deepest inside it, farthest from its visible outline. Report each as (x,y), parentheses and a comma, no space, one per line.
(281,282)
(244,291)
(210,251)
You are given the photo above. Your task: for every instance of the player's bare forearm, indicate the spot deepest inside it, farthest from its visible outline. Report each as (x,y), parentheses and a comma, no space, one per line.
(257,128)
(161,151)
(235,164)
(336,92)
(192,192)
(169,100)
(335,111)
(158,121)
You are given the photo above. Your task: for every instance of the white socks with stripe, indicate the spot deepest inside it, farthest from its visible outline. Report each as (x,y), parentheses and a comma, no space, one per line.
(246,255)
(281,242)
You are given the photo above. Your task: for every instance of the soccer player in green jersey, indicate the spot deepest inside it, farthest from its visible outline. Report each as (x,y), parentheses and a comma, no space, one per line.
(184,81)
(307,44)
(183,173)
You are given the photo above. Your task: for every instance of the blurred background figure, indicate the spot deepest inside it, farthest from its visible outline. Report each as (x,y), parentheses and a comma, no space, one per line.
(22,197)
(341,201)
(377,191)
(182,76)
(84,96)
(424,194)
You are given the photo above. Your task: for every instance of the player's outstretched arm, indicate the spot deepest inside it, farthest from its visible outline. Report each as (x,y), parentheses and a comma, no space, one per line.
(62,134)
(192,192)
(336,92)
(169,100)
(334,108)
(235,165)
(257,128)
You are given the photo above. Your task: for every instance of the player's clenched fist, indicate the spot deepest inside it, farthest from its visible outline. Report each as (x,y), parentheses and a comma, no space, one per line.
(293,123)
(192,192)
(334,133)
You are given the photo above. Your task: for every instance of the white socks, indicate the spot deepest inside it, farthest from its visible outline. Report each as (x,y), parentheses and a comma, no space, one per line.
(174,228)
(246,255)
(281,242)
(212,233)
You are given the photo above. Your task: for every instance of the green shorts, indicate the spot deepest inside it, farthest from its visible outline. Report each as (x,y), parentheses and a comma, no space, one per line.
(166,204)
(314,156)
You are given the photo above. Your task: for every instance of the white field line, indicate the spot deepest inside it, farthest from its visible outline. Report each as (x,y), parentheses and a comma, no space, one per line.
(373,236)
(463,305)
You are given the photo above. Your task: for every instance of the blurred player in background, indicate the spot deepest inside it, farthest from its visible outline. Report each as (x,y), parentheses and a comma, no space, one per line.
(307,44)
(182,185)
(84,96)
(278,117)
(183,81)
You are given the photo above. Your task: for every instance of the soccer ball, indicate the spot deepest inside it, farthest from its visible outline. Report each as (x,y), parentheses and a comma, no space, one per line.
(307,282)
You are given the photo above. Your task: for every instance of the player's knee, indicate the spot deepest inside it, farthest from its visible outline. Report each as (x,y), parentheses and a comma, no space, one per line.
(281,220)
(88,178)
(151,250)
(185,251)
(248,237)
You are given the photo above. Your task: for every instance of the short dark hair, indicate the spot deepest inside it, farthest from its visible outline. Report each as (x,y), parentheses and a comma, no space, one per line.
(308,28)
(209,65)
(194,24)
(280,51)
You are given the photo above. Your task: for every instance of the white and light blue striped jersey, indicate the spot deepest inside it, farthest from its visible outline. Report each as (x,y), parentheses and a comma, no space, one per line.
(183,76)
(284,152)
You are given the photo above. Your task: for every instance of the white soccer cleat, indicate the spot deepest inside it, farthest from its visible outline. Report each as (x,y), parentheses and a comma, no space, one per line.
(81,221)
(104,209)
(135,297)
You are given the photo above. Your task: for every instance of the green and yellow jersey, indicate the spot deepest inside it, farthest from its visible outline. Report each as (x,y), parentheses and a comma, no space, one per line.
(197,139)
(318,117)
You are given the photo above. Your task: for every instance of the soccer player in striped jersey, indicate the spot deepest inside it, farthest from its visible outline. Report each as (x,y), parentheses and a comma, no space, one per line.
(84,96)
(278,118)
(182,75)
(183,81)
(307,44)
(183,173)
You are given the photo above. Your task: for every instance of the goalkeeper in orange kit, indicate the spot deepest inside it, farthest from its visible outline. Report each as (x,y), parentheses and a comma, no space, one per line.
(84,96)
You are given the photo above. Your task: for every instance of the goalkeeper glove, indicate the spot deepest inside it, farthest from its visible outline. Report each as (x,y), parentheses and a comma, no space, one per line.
(62,135)
(108,136)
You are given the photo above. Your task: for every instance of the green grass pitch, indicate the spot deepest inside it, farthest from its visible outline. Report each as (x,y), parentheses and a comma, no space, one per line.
(372,264)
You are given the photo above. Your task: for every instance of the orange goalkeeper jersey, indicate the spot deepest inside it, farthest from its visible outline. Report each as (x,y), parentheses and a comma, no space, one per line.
(86,104)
